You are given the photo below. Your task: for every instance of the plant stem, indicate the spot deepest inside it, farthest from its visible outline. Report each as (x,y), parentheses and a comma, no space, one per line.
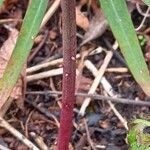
(69,53)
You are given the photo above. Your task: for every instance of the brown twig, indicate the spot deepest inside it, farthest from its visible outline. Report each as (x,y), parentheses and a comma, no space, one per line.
(108,90)
(44,111)
(143,21)
(36,50)
(39,141)
(26,123)
(97,97)
(96,82)
(50,12)
(17,134)
(88,134)
(58,61)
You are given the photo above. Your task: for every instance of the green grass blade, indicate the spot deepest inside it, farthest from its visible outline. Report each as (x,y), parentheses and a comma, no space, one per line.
(1,1)
(122,27)
(147,2)
(29,30)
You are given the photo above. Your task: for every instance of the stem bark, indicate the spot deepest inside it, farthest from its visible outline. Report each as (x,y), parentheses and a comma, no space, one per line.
(69,72)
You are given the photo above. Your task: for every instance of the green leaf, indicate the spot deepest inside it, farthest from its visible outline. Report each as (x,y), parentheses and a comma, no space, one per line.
(122,27)
(147,2)
(1,1)
(137,138)
(29,30)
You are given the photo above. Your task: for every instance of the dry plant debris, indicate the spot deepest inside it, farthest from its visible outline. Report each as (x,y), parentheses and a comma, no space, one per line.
(104,124)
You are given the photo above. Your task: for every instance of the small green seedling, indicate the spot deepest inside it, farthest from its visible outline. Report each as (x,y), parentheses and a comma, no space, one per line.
(139,134)
(142,40)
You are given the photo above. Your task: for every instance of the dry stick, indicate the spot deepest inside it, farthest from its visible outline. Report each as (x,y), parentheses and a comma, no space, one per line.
(26,123)
(50,12)
(44,111)
(140,10)
(96,82)
(97,79)
(2,21)
(117,70)
(122,120)
(116,112)
(46,74)
(142,23)
(89,65)
(108,88)
(88,134)
(69,73)
(100,147)
(97,97)
(3,147)
(58,61)
(44,65)
(36,50)
(39,141)
(17,134)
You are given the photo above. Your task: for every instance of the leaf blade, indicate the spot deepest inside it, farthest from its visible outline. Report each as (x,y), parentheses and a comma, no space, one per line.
(122,27)
(147,2)
(29,30)
(1,2)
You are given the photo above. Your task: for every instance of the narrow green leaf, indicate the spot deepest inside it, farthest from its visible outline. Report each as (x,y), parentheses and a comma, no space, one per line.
(29,30)
(1,1)
(122,27)
(147,2)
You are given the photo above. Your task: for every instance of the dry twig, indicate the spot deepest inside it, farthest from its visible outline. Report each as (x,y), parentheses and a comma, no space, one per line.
(108,88)
(97,97)
(142,23)
(44,111)
(88,134)
(17,134)
(58,61)
(96,82)
(39,141)
(3,147)
(50,12)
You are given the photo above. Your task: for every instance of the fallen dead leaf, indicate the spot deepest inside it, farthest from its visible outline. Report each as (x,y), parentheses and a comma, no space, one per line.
(81,20)
(97,26)
(98,23)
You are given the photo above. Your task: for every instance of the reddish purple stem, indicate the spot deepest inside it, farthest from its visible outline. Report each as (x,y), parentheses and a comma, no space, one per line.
(69,52)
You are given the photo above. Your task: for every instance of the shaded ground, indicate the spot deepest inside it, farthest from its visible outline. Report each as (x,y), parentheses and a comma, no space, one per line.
(103,125)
